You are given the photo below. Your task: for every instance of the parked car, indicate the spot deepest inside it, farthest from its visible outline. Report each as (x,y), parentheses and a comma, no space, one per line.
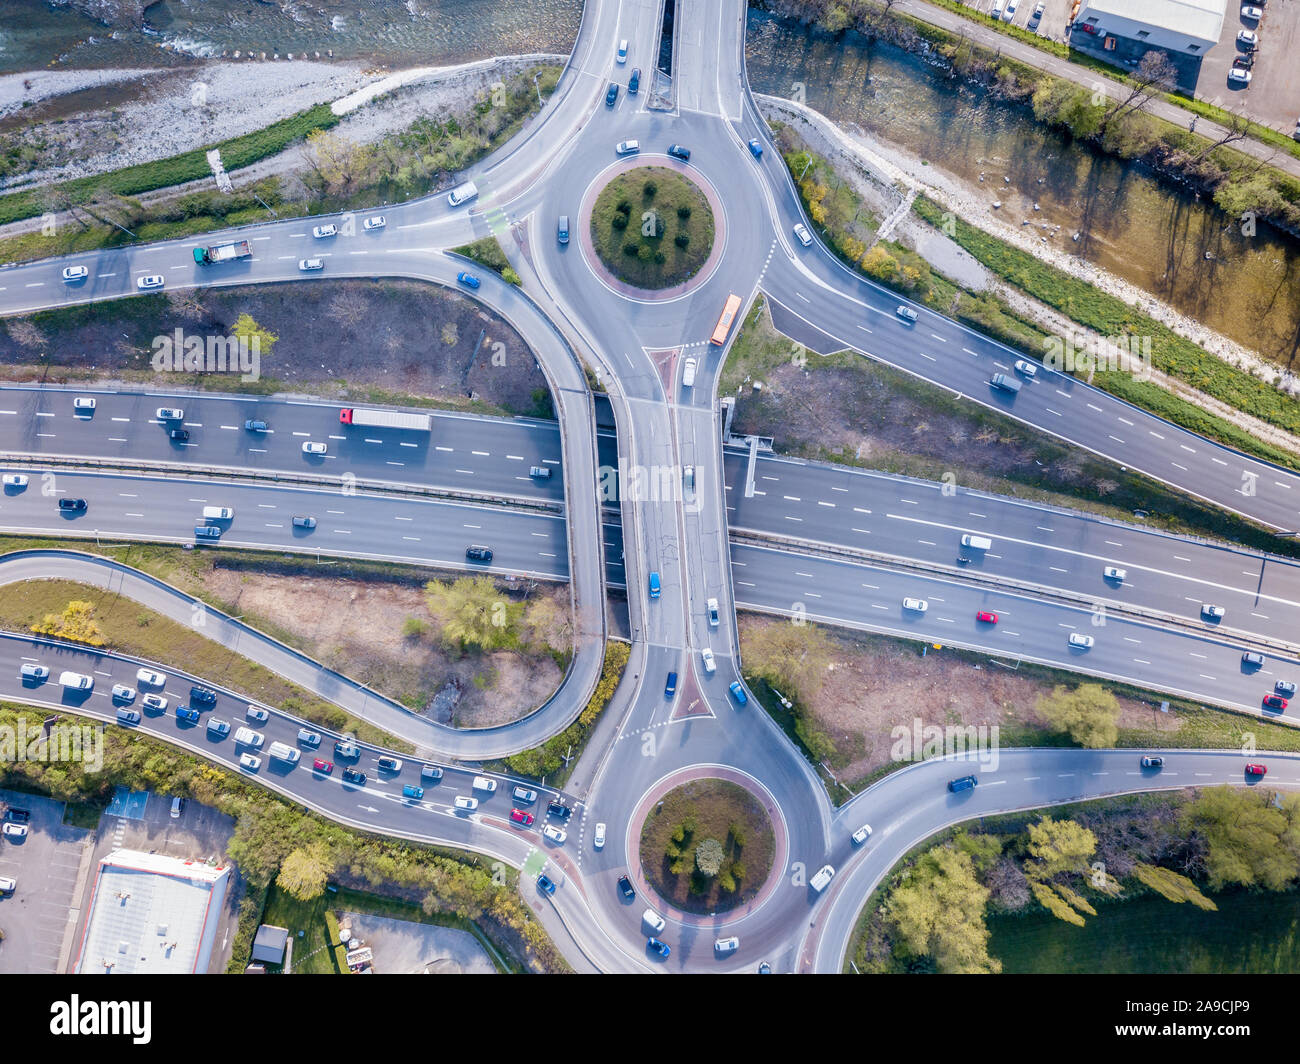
(677,151)
(1274,702)
(313,447)
(307,265)
(987,617)
(8,884)
(756,149)
(1010,11)
(738,693)
(1081,642)
(178,807)
(1248,39)
(1153,762)
(17,815)
(321,231)
(1254,14)
(1037,12)
(375,221)
(916,605)
(15,831)
(861,835)
(75,273)
(356,776)
(625,888)
(1239,74)
(801,234)
(322,766)
(148,281)
(627,147)
(522,816)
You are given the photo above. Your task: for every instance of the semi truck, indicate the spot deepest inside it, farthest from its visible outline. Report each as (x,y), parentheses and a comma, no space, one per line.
(387,419)
(236,249)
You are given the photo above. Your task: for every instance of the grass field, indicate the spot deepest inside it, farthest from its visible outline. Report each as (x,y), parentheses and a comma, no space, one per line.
(652,227)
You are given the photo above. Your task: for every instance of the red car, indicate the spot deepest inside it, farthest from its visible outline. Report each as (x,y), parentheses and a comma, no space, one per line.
(988,618)
(519,816)
(323,766)
(1275,702)
(1255,770)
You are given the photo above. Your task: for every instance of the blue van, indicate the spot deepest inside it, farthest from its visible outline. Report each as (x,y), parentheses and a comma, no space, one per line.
(654,585)
(412,791)
(670,688)
(965,783)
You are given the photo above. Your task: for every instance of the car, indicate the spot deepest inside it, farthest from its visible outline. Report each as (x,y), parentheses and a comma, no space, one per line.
(627,147)
(40,672)
(861,835)
(321,231)
(688,481)
(625,888)
(76,681)
(8,884)
(170,413)
(322,766)
(1256,770)
(205,696)
(478,554)
(307,737)
(916,605)
(248,737)
(156,702)
(15,480)
(375,221)
(307,265)
(413,792)
(1153,762)
(431,772)
(346,748)
(522,816)
(75,273)
(557,808)
(995,12)
(611,95)
(1252,13)
(388,763)
(1252,659)
(653,920)
(250,761)
(1212,612)
(465,802)
(655,587)
(907,314)
(539,472)
(1010,11)
(1274,702)
(1248,39)
(712,607)
(148,281)
(677,151)
(544,883)
(726,945)
(524,794)
(188,714)
(622,51)
(72,506)
(764,968)
(1037,12)
(178,807)
(15,831)
(634,82)
(468,279)
(801,234)
(179,435)
(661,948)
(598,839)
(821,880)
(562,229)
(706,655)
(256,425)
(353,775)
(986,617)
(1284,687)
(257,713)
(83,402)
(218,727)
(1082,642)
(1026,369)
(17,815)
(313,447)
(124,694)
(303,521)
(738,693)
(1240,75)
(484,783)
(670,686)
(1112,572)
(150,678)
(962,783)
(756,149)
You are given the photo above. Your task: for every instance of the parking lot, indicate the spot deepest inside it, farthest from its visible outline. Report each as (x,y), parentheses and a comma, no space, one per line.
(49,865)
(1273,95)
(1056,15)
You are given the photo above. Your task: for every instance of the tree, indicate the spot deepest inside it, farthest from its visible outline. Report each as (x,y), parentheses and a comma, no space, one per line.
(709,856)
(247,328)
(549,625)
(939,912)
(1248,840)
(76,623)
(794,657)
(305,872)
(1060,850)
(1235,129)
(1154,74)
(472,614)
(1088,714)
(1172,886)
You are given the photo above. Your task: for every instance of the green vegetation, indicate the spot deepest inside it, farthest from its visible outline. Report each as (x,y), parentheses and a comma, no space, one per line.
(1089,714)
(633,218)
(488,252)
(708,846)
(473,614)
(939,913)
(549,760)
(1252,836)
(76,624)
(793,659)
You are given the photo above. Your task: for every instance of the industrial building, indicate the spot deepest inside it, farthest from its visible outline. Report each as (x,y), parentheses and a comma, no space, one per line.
(1181,27)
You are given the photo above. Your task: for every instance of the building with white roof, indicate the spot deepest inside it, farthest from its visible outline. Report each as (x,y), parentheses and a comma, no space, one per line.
(1185,27)
(150,913)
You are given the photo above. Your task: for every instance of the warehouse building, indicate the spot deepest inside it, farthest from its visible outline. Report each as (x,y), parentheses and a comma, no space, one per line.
(1182,27)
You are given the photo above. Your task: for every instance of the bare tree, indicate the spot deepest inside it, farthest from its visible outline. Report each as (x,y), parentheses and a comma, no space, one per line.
(1154,74)
(1235,129)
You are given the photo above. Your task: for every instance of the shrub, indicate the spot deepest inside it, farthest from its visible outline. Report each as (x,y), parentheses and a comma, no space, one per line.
(631,249)
(649,188)
(624,207)
(619,221)
(660,258)
(683,211)
(682,240)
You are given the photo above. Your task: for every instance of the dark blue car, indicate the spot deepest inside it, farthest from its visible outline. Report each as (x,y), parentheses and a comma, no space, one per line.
(670,688)
(186,713)
(965,783)
(661,948)
(543,883)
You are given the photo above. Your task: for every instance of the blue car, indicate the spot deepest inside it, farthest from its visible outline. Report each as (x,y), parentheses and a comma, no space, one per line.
(412,791)
(670,688)
(738,693)
(963,783)
(654,585)
(756,149)
(467,279)
(661,948)
(543,883)
(186,713)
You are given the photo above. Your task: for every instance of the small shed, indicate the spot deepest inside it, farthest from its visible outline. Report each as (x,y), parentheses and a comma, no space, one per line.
(269,944)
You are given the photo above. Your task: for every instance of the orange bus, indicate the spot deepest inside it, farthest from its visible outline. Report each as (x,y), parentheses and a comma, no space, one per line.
(724,323)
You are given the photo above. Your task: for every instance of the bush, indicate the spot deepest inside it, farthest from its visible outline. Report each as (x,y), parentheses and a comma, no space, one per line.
(624,207)
(660,258)
(619,221)
(682,240)
(683,211)
(631,249)
(649,188)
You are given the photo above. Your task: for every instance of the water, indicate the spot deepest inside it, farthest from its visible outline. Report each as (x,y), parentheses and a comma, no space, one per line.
(396,33)
(1134,226)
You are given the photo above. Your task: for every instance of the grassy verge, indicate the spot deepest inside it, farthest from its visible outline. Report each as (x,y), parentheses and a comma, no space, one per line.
(488,252)
(652,227)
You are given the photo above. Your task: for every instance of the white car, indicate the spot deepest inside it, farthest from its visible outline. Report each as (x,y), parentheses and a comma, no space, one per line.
(712,606)
(464,802)
(123,693)
(654,921)
(324,231)
(1248,38)
(1252,13)
(248,737)
(34,672)
(556,835)
(149,678)
(627,147)
(861,835)
(1112,572)
(156,702)
(726,945)
(1009,13)
(802,235)
(74,273)
(8,885)
(250,761)
(149,280)
(258,714)
(1026,369)
(707,655)
(915,604)
(314,448)
(1240,74)
(1038,12)
(375,221)
(1213,612)
(907,314)
(484,783)
(311,264)
(598,840)
(83,402)
(1083,642)
(170,413)
(622,50)
(16,831)
(15,480)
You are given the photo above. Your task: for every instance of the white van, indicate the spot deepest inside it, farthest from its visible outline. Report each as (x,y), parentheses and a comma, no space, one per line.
(462,193)
(248,737)
(284,753)
(976,542)
(688,373)
(822,879)
(482,783)
(218,513)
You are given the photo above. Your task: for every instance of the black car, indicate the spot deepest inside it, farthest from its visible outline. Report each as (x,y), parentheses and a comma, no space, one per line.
(179,435)
(479,554)
(625,888)
(678,152)
(611,95)
(634,82)
(73,506)
(352,775)
(559,810)
(203,696)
